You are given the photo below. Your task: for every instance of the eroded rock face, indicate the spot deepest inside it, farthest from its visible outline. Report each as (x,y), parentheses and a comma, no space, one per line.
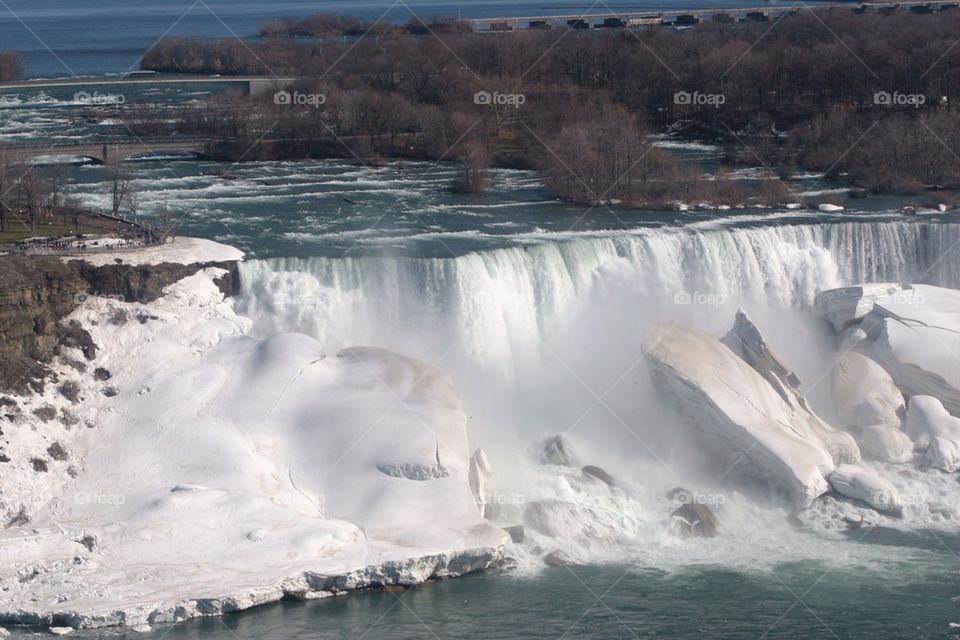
(739,419)
(864,393)
(37,292)
(864,484)
(745,340)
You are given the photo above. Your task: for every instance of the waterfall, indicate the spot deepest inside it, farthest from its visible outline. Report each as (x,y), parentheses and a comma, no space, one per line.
(495,301)
(545,336)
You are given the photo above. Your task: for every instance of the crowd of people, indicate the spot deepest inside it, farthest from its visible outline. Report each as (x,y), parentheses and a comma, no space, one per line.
(83,243)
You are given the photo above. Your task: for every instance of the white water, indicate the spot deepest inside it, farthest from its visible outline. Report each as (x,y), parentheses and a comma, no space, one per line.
(545,338)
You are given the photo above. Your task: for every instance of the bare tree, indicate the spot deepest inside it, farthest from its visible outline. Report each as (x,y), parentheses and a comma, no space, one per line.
(119,185)
(32,192)
(473,172)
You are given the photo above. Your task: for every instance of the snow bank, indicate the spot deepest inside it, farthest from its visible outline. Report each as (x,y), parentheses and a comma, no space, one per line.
(227,472)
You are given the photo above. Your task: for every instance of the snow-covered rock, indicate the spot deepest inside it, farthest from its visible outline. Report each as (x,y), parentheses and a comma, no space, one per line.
(913,331)
(927,418)
(935,432)
(866,485)
(743,424)
(251,471)
(886,444)
(943,454)
(864,393)
(848,305)
(746,341)
(829,208)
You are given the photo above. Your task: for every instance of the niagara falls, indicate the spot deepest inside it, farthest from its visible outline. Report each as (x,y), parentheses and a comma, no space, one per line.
(479,320)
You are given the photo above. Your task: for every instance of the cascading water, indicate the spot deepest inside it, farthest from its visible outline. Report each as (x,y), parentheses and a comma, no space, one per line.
(494,304)
(545,336)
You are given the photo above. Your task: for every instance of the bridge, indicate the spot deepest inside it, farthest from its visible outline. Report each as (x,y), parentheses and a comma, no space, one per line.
(683,17)
(254,85)
(104,152)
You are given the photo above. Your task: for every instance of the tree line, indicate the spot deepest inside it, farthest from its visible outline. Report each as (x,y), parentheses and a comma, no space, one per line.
(871,97)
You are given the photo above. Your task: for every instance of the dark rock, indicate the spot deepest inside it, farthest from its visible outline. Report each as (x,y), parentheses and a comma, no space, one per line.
(119,317)
(696,521)
(102,374)
(21,519)
(88,540)
(39,465)
(516,532)
(67,418)
(679,494)
(557,450)
(70,390)
(142,317)
(558,559)
(46,412)
(78,366)
(596,472)
(77,337)
(110,391)
(58,452)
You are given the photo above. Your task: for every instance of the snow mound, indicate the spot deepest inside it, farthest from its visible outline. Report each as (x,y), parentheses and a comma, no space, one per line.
(864,393)
(250,470)
(866,485)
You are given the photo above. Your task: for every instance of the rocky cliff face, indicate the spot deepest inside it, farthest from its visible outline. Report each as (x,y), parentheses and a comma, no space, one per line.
(37,292)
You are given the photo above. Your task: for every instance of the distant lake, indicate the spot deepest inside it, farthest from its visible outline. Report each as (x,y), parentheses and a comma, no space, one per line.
(76,37)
